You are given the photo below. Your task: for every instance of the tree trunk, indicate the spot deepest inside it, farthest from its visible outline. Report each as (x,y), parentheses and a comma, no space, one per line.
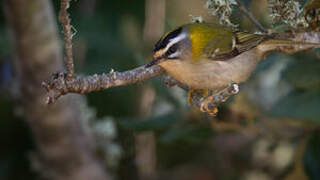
(65,151)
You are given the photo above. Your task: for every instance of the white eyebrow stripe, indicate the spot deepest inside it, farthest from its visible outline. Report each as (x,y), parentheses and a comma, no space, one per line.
(175,40)
(174,55)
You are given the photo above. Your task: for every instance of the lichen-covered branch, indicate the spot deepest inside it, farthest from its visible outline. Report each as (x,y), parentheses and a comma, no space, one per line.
(63,83)
(67,30)
(59,85)
(222,10)
(213,98)
(231,90)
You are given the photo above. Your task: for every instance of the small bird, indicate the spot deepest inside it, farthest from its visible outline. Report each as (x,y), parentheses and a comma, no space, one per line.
(207,56)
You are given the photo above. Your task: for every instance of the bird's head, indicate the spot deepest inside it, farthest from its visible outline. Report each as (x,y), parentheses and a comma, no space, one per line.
(172,46)
(187,42)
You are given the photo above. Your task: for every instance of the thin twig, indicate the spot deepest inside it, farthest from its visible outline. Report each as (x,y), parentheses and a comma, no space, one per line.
(59,84)
(246,12)
(67,30)
(231,90)
(218,98)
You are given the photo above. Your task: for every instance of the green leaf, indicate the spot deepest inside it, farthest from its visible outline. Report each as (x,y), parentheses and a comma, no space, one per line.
(299,105)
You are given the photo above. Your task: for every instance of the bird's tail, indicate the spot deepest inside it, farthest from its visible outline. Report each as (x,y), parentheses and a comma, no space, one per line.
(286,46)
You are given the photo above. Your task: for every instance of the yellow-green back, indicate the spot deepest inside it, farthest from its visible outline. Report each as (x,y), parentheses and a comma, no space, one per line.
(206,38)
(220,43)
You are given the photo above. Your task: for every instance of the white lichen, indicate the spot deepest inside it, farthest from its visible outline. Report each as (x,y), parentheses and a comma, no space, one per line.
(288,12)
(222,9)
(74,31)
(196,19)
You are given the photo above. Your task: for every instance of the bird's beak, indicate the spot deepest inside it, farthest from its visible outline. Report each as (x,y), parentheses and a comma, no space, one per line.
(154,61)
(157,58)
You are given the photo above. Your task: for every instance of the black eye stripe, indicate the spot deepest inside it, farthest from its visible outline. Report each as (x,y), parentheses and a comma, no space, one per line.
(163,42)
(172,49)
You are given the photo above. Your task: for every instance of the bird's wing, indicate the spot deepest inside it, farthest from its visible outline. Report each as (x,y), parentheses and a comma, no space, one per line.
(246,41)
(221,48)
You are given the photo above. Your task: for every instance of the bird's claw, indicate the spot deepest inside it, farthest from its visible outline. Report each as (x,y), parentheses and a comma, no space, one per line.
(204,107)
(190,96)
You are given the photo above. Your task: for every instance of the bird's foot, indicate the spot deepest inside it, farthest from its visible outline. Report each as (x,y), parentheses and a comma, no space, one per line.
(190,94)
(204,107)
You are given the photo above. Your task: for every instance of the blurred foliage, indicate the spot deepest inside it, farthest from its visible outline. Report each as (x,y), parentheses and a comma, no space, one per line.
(164,126)
(16,144)
(303,74)
(300,105)
(153,124)
(312,156)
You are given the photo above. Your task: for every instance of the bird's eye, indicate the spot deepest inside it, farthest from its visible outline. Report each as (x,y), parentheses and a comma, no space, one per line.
(172,50)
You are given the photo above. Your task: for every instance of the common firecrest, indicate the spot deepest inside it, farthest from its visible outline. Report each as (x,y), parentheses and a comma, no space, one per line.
(209,56)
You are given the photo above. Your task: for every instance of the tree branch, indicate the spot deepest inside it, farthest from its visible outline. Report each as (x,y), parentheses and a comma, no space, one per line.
(216,98)
(67,29)
(59,84)
(63,83)
(247,13)
(231,90)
